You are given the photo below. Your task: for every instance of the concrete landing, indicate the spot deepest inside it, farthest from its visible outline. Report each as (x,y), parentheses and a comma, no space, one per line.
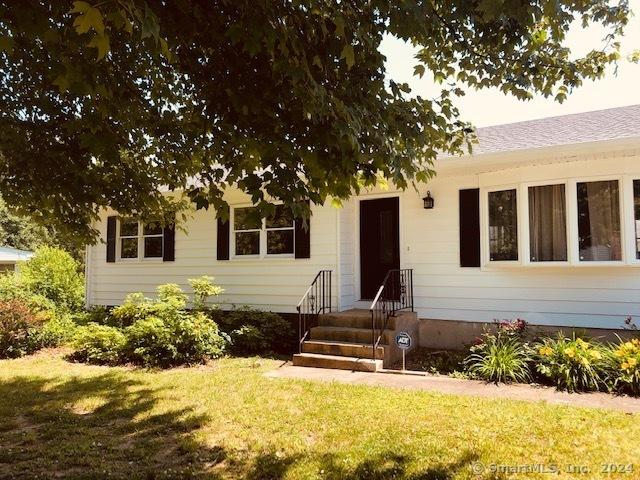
(455,386)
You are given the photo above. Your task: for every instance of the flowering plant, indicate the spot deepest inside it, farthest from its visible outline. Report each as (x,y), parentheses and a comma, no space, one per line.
(571,363)
(624,363)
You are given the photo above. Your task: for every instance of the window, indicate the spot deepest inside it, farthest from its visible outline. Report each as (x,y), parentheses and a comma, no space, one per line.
(153,237)
(503,226)
(128,239)
(636,211)
(599,236)
(280,232)
(136,237)
(247,225)
(256,236)
(547,223)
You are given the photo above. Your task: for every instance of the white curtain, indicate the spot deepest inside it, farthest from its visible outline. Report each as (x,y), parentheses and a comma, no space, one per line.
(599,225)
(548,223)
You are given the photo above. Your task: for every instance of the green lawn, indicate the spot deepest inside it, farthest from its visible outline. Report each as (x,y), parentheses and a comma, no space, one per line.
(227,420)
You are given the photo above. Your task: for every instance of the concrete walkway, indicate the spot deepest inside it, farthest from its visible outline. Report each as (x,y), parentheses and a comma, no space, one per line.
(456,386)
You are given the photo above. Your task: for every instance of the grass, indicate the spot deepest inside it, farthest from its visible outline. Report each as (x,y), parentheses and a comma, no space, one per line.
(227,420)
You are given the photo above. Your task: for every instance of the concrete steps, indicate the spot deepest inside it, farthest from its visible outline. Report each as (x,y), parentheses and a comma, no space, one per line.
(319,360)
(344,341)
(352,318)
(359,350)
(344,334)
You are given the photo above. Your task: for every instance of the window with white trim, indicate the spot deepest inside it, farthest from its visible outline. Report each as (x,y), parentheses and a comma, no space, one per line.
(279,230)
(571,222)
(140,240)
(254,236)
(636,216)
(599,233)
(128,239)
(503,225)
(548,223)
(153,239)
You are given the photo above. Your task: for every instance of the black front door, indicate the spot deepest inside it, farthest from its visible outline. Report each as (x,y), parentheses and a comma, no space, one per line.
(379,243)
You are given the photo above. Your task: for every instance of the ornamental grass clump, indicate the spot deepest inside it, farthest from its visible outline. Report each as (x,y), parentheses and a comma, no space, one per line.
(573,364)
(502,356)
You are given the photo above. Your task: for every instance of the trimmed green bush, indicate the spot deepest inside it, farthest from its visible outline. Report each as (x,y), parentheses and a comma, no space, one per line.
(572,364)
(162,332)
(275,334)
(248,339)
(192,338)
(98,344)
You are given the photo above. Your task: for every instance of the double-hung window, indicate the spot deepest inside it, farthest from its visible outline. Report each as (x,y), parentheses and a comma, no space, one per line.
(140,240)
(128,239)
(256,237)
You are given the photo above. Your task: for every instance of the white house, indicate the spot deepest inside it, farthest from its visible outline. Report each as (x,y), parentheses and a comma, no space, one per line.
(539,223)
(10,256)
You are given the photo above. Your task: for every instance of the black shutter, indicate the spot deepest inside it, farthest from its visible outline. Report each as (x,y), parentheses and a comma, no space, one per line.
(169,248)
(470,227)
(302,244)
(223,239)
(111,239)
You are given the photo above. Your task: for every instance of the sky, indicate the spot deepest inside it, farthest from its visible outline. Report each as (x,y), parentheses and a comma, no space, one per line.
(492,107)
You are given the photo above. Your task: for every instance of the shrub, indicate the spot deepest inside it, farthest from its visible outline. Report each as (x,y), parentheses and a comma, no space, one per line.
(499,357)
(12,288)
(248,339)
(192,338)
(149,342)
(572,364)
(623,361)
(203,288)
(58,330)
(276,333)
(18,327)
(99,344)
(135,307)
(54,274)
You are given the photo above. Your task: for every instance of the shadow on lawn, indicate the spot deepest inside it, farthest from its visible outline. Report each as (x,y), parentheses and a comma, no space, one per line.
(112,427)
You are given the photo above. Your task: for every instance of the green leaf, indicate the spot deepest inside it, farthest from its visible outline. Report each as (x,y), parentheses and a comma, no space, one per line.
(101,42)
(336,203)
(347,54)
(88,18)
(419,70)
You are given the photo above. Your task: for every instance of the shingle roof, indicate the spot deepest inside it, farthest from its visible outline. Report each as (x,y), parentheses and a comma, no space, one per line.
(612,123)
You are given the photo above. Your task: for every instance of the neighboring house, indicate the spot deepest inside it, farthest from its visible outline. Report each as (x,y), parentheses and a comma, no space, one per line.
(541,222)
(9,257)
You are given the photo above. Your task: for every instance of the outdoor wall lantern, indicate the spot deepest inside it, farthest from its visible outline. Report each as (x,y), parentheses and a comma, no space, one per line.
(428,201)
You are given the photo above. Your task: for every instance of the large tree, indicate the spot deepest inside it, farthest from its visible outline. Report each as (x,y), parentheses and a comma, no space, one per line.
(110,102)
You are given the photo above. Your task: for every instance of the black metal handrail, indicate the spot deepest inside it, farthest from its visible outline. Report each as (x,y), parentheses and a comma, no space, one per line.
(316,300)
(394,295)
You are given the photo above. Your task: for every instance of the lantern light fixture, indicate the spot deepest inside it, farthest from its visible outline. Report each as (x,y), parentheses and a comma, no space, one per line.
(428,201)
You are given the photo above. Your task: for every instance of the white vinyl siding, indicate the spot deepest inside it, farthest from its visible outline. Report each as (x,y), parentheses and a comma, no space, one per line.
(271,283)
(599,294)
